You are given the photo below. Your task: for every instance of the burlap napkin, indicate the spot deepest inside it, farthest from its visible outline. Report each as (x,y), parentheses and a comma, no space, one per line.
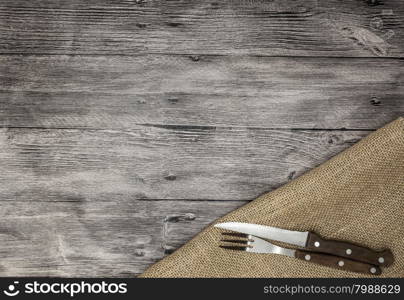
(356,196)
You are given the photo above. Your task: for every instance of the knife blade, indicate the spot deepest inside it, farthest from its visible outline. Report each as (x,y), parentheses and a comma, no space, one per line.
(313,242)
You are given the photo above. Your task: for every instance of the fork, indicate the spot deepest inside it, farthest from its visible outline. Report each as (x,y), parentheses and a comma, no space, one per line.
(250,243)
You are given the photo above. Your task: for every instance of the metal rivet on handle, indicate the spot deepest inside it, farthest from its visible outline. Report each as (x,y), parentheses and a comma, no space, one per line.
(381,260)
(307,257)
(317,244)
(373,270)
(348,251)
(341,263)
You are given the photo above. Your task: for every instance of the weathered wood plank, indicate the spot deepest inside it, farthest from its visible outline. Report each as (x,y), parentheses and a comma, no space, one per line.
(104,239)
(149,162)
(278,27)
(122,92)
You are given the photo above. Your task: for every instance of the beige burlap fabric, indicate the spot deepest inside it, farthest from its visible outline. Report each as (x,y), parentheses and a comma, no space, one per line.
(356,196)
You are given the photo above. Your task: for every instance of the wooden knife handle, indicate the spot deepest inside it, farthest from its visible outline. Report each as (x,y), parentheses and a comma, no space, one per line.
(349,250)
(338,262)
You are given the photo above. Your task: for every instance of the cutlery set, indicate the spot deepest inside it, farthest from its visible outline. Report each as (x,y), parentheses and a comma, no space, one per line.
(331,253)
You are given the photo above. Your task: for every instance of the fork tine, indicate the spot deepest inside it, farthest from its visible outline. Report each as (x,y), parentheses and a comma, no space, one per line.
(238,248)
(235,241)
(235,234)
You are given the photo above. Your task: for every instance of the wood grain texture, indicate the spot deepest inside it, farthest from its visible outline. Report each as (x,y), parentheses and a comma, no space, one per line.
(123,92)
(108,239)
(277,27)
(158,163)
(97,202)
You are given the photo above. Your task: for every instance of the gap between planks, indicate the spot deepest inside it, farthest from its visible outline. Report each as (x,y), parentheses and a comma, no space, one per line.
(198,55)
(183,126)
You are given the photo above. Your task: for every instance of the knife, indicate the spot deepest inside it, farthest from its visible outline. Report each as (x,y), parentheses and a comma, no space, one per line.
(312,241)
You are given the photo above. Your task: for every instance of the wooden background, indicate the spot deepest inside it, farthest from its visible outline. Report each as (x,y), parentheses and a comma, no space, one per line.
(127,126)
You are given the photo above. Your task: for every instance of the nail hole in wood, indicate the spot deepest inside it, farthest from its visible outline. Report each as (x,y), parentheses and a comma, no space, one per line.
(140,25)
(170,177)
(168,251)
(139,253)
(174,24)
(291,175)
(194,57)
(173,100)
(375,102)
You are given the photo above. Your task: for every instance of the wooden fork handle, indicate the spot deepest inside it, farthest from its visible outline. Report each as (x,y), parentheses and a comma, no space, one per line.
(349,250)
(338,262)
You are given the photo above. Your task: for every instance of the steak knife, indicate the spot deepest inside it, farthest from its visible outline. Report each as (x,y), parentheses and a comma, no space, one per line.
(312,241)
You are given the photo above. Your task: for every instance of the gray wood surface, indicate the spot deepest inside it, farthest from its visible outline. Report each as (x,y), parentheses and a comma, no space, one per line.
(266,92)
(128,126)
(107,238)
(158,163)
